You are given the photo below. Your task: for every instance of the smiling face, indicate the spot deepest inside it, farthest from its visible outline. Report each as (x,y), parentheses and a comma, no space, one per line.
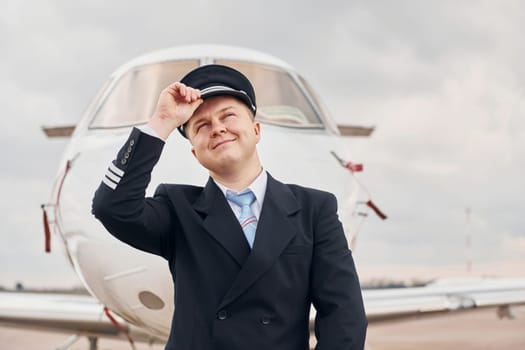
(224,136)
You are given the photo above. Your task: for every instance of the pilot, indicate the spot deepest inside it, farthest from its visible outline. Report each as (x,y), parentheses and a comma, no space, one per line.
(251,254)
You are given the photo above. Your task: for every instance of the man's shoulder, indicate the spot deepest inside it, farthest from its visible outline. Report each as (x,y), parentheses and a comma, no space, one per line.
(181,187)
(188,191)
(301,191)
(305,193)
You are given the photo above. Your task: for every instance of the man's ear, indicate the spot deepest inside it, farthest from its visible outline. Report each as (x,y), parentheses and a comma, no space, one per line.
(257,129)
(193,152)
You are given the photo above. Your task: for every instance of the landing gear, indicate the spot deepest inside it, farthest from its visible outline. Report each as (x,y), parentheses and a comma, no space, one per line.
(69,341)
(74,338)
(504,311)
(92,343)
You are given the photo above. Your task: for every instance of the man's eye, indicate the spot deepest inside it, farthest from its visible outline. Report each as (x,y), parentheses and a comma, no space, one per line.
(199,126)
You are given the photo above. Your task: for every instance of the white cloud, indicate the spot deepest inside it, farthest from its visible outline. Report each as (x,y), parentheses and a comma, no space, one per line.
(443,83)
(514,248)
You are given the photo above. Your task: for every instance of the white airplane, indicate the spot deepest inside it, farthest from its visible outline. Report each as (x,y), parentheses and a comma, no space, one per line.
(131,291)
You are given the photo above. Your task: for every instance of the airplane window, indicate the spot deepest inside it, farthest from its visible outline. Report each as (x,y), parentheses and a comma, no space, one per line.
(279,98)
(134,96)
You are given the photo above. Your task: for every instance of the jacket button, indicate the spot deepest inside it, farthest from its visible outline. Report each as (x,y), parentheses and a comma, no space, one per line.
(123,161)
(132,142)
(222,315)
(265,320)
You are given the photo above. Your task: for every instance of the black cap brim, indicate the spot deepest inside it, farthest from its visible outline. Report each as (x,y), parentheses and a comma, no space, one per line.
(223,91)
(218,80)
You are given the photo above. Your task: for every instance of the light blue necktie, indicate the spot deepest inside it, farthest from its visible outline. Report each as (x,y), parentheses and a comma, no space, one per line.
(247,219)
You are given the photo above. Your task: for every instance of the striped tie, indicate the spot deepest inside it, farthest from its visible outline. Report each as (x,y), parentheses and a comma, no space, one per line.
(247,219)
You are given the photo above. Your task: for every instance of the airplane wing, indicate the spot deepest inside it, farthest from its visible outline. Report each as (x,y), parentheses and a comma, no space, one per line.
(444,296)
(84,316)
(81,315)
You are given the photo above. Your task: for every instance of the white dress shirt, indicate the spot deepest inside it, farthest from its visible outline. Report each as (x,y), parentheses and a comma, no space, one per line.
(149,130)
(258,187)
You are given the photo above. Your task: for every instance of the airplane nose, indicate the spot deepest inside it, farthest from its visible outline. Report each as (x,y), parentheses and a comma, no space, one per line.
(151,300)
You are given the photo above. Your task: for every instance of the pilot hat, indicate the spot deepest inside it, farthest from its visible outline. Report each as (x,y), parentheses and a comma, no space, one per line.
(217,80)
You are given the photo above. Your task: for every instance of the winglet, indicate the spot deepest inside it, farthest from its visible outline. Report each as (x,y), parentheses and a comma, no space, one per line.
(354,130)
(58,131)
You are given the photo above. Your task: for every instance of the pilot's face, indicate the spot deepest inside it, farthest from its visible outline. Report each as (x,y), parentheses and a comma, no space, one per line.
(223,134)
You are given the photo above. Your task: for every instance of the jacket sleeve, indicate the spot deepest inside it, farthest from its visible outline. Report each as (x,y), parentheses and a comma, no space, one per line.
(340,322)
(120,203)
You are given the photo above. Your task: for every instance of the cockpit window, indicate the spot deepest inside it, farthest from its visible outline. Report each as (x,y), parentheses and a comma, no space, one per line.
(279,100)
(133,98)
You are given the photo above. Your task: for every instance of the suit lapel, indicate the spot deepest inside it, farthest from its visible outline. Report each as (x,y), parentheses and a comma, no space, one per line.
(220,222)
(274,231)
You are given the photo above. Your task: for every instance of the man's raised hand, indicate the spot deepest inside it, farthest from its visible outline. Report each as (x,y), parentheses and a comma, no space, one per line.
(175,106)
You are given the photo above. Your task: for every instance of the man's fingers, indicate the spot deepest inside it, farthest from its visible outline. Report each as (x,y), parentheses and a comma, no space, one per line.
(185,93)
(175,89)
(196,94)
(196,103)
(192,94)
(183,90)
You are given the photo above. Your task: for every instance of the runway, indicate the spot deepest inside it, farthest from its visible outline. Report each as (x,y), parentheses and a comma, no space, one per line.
(474,330)
(17,339)
(480,329)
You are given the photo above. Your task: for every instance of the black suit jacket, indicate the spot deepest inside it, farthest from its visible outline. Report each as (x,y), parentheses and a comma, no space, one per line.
(226,295)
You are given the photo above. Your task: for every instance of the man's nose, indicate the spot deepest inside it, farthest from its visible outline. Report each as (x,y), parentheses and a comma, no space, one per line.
(218,128)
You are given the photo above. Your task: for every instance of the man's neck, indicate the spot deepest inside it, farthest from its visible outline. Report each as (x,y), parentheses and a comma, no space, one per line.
(238,180)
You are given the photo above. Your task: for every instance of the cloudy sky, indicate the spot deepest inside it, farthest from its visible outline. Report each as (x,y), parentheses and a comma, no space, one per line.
(442,81)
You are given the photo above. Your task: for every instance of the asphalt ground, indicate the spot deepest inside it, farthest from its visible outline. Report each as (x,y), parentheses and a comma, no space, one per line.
(479,329)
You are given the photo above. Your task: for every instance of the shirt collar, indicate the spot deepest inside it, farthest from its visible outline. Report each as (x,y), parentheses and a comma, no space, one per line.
(258,187)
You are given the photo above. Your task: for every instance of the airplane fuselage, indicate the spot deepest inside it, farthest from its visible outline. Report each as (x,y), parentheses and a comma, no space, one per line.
(297,138)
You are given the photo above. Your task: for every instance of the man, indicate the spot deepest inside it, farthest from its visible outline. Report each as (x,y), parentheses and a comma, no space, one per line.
(248,254)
